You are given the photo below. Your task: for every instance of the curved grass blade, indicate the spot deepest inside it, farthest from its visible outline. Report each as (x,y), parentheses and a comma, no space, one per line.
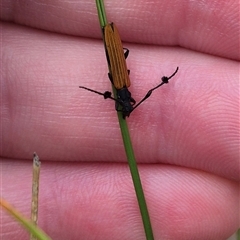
(29,225)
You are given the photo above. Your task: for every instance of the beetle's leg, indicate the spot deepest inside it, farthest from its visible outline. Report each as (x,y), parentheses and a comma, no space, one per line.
(132,100)
(126,53)
(164,80)
(106,94)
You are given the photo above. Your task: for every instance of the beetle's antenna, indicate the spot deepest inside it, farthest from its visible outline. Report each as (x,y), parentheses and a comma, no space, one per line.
(106,94)
(164,80)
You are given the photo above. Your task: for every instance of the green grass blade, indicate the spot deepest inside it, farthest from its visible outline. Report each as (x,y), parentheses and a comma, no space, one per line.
(29,225)
(101,13)
(135,177)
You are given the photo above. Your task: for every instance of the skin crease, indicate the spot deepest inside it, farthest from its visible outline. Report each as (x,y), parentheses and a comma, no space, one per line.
(185,136)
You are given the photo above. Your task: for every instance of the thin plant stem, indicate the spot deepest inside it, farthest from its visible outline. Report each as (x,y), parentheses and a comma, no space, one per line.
(128,148)
(35,190)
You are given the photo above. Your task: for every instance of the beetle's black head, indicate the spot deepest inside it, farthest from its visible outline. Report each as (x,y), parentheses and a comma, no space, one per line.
(126,102)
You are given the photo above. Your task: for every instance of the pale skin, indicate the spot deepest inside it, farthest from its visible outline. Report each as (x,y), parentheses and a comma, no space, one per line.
(186,133)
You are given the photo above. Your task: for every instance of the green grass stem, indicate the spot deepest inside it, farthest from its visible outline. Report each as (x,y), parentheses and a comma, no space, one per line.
(128,148)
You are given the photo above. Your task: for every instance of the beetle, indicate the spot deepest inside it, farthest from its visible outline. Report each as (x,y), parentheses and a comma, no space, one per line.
(119,74)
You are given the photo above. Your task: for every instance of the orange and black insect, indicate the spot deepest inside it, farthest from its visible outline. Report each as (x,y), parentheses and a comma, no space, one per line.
(119,74)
